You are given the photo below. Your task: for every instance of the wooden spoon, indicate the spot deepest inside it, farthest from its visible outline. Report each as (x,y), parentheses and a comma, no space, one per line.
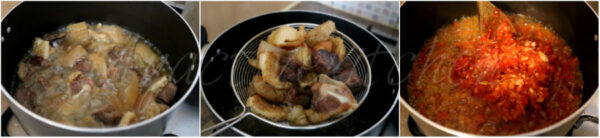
(491,18)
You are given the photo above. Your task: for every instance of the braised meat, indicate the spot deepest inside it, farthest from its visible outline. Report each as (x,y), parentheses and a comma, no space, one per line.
(81,83)
(265,109)
(349,76)
(26,97)
(108,114)
(292,69)
(330,98)
(167,93)
(268,92)
(298,96)
(54,36)
(296,84)
(325,62)
(83,65)
(92,75)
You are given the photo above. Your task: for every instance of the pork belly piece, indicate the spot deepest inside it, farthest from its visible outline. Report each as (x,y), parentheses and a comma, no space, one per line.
(330,98)
(258,105)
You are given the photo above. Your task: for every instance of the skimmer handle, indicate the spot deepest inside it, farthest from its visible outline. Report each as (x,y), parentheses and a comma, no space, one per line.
(233,121)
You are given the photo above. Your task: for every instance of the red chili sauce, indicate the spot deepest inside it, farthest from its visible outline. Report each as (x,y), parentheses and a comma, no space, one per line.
(495,84)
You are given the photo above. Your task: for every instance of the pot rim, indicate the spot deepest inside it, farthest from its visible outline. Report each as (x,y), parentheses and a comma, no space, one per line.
(316,12)
(49,122)
(573,115)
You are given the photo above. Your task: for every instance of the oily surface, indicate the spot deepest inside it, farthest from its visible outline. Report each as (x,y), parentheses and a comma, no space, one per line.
(94,76)
(495,84)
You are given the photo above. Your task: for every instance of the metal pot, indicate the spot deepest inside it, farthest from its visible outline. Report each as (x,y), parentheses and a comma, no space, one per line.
(219,94)
(154,21)
(575,22)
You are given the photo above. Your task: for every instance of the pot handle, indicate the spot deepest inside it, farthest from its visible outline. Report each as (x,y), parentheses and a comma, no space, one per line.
(584,118)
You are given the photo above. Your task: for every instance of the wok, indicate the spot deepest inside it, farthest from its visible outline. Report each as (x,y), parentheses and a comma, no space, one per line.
(154,21)
(575,22)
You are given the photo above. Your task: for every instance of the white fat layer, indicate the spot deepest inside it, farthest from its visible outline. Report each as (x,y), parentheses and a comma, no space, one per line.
(262,61)
(333,91)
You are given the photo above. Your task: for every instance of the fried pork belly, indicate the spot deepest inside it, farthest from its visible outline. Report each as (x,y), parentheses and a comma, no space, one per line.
(330,98)
(259,106)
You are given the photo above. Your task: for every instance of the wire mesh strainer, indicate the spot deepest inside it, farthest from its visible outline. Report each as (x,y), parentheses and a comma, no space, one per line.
(242,73)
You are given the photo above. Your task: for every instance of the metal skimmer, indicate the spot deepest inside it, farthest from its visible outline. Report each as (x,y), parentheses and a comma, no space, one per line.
(242,73)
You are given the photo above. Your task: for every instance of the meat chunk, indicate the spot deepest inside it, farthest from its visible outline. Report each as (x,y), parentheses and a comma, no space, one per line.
(147,107)
(158,84)
(115,33)
(30,65)
(287,37)
(264,89)
(338,47)
(167,93)
(320,33)
(44,82)
(108,115)
(77,33)
(296,115)
(268,60)
(131,90)
(81,84)
(298,96)
(83,65)
(26,97)
(144,55)
(98,63)
(292,69)
(38,61)
(330,98)
(42,48)
(303,55)
(258,105)
(325,62)
(350,77)
(53,36)
(316,117)
(72,56)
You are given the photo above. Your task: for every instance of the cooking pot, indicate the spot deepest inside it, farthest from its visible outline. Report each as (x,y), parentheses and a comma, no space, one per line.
(575,22)
(218,91)
(154,21)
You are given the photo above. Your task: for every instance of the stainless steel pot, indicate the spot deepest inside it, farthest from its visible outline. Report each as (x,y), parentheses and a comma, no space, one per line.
(155,21)
(575,22)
